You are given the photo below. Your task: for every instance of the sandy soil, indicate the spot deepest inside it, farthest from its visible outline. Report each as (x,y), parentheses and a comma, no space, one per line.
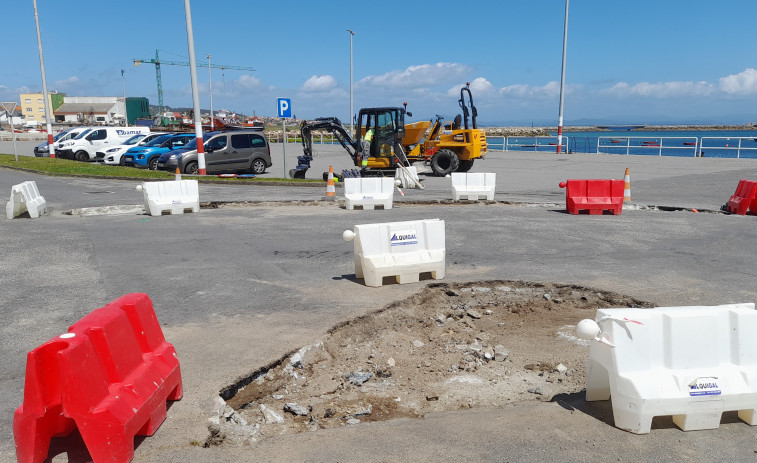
(448,347)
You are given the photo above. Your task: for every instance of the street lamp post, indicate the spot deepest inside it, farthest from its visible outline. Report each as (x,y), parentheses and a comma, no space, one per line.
(562,79)
(123,90)
(352,119)
(50,147)
(195,95)
(210,87)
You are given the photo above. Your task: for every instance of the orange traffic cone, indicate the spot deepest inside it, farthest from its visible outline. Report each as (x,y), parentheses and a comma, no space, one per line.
(330,190)
(178,173)
(627,190)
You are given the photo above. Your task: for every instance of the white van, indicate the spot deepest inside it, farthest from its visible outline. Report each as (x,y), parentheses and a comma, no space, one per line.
(70,135)
(85,146)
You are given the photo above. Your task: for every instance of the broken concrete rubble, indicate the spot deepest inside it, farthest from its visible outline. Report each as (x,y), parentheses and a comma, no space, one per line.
(296,409)
(424,354)
(270,416)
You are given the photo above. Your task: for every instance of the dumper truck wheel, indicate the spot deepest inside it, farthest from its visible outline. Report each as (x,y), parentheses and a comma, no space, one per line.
(465,166)
(444,162)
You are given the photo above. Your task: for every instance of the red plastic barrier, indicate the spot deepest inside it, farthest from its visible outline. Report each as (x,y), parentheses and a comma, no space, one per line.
(109,376)
(594,196)
(744,199)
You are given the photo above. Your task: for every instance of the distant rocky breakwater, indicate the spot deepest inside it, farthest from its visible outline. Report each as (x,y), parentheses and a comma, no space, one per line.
(547,131)
(518,131)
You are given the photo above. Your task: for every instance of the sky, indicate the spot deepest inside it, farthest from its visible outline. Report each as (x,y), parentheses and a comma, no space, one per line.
(643,61)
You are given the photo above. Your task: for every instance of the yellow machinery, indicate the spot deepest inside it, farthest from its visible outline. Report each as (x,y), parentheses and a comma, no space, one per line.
(447,147)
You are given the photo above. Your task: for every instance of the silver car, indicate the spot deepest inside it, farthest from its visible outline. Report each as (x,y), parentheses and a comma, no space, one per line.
(230,152)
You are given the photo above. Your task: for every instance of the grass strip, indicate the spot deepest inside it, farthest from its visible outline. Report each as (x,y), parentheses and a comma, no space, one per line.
(65,167)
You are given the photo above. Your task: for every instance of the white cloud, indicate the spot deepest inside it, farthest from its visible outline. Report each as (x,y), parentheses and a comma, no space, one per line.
(479,86)
(548,90)
(250,82)
(11,94)
(670,89)
(66,84)
(318,83)
(743,83)
(418,76)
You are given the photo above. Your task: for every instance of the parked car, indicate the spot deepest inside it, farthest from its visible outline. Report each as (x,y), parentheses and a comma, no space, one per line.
(146,157)
(114,156)
(42,150)
(83,148)
(230,152)
(71,135)
(169,160)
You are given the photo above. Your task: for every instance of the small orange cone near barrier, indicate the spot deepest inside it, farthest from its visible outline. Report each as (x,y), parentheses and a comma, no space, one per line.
(330,190)
(178,173)
(627,189)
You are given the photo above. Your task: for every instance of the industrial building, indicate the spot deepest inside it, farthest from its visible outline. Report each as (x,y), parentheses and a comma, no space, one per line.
(90,110)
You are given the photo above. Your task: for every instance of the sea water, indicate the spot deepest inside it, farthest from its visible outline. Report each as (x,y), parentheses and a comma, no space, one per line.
(686,143)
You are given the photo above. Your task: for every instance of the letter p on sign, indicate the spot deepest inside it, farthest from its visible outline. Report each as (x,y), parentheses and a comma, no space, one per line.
(285,107)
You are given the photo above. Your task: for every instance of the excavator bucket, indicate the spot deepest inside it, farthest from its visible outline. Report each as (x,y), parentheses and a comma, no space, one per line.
(297,173)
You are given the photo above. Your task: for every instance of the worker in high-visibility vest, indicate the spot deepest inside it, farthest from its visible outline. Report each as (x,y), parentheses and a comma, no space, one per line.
(366,145)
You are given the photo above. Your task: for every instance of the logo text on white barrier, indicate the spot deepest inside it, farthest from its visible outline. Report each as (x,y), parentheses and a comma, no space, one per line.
(404,237)
(704,386)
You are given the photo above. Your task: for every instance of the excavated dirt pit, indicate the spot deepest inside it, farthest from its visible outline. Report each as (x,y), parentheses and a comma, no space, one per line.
(448,347)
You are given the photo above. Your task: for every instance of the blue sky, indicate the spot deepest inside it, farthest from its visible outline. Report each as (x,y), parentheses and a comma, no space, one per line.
(628,62)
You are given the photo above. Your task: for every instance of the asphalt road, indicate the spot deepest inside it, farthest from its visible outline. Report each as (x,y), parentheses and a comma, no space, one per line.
(236,288)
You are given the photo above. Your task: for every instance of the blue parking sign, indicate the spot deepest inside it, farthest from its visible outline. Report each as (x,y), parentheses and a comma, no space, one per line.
(285,107)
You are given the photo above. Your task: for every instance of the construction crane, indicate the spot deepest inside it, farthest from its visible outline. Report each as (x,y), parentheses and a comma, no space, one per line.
(157,62)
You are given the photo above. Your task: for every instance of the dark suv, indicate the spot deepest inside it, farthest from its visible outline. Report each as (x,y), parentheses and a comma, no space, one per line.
(228,152)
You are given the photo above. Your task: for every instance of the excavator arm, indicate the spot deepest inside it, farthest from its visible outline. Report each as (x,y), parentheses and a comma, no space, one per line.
(334,126)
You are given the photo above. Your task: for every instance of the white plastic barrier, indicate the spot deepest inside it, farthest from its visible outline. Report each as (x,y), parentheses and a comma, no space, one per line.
(400,249)
(473,185)
(25,197)
(172,196)
(408,177)
(693,363)
(369,192)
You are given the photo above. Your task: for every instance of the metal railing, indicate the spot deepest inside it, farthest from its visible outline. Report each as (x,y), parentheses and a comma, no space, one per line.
(532,143)
(7,135)
(496,143)
(318,139)
(717,147)
(670,146)
(726,147)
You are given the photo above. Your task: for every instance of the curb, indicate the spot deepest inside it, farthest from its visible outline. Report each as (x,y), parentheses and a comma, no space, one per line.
(201,179)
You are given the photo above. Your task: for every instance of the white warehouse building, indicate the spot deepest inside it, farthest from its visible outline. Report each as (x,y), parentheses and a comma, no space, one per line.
(95,110)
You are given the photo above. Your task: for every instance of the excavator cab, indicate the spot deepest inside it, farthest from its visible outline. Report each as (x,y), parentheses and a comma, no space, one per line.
(388,125)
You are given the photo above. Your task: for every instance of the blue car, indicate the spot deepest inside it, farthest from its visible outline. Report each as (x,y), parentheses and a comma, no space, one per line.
(146,156)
